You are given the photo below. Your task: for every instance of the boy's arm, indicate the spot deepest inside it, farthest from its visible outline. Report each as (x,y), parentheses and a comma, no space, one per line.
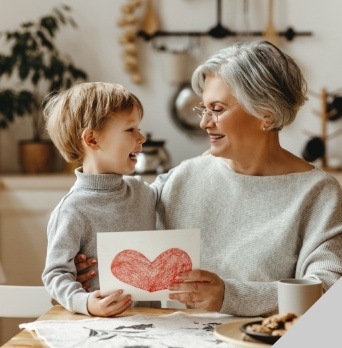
(59,275)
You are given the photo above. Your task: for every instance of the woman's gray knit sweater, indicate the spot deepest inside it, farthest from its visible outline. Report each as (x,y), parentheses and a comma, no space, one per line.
(256,230)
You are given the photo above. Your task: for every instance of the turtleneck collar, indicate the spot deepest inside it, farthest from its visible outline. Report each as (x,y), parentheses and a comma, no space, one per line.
(97,181)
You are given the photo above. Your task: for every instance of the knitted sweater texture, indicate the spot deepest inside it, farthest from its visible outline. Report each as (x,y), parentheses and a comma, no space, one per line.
(96,203)
(256,230)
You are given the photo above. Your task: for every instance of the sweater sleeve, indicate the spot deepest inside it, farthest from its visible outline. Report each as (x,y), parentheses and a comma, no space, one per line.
(249,298)
(59,276)
(320,255)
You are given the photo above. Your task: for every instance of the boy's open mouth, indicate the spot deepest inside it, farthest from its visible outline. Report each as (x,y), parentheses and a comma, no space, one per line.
(134,155)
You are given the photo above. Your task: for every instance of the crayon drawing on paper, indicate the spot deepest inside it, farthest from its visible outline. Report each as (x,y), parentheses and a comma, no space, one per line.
(145,263)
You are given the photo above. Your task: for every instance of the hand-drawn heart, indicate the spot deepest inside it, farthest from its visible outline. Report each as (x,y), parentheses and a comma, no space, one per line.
(133,268)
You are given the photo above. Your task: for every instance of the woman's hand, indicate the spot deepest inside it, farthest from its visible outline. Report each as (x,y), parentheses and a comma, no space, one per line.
(202,289)
(84,273)
(108,306)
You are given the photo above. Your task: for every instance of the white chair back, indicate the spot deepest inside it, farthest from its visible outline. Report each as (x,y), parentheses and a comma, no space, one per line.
(23,301)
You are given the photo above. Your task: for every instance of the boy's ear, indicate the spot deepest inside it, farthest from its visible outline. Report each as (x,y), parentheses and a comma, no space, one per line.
(89,139)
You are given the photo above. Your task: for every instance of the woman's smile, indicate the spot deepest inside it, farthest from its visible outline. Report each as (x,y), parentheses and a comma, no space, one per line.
(215,137)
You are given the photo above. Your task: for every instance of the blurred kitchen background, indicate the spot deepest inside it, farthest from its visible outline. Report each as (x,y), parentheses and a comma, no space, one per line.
(157,70)
(97,45)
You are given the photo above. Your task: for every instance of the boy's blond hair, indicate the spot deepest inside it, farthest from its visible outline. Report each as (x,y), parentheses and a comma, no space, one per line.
(84,106)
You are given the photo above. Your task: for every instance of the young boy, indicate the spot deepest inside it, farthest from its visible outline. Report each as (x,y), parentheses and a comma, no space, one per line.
(96,124)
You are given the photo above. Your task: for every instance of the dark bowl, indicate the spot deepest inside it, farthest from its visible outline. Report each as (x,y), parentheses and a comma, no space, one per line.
(263,337)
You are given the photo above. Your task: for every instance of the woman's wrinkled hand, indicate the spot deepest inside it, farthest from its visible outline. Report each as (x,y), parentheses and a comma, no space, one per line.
(84,271)
(199,289)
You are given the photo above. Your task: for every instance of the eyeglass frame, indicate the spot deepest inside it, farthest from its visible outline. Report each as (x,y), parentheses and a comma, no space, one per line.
(202,111)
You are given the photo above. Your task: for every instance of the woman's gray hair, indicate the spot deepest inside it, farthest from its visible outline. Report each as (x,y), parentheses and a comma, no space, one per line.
(263,79)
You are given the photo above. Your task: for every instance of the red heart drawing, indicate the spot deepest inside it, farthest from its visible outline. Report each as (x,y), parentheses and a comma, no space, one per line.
(134,268)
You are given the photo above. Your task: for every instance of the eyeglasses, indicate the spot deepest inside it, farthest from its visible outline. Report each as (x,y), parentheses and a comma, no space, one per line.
(201,111)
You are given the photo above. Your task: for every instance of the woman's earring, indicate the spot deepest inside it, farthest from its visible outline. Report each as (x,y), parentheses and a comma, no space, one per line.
(268,120)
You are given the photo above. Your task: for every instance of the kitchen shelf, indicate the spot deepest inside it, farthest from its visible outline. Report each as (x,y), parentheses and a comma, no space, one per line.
(45,181)
(219,31)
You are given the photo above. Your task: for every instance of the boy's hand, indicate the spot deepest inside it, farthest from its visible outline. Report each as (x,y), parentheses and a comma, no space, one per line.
(108,306)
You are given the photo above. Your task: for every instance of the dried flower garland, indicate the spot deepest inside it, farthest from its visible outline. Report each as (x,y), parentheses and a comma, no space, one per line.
(128,22)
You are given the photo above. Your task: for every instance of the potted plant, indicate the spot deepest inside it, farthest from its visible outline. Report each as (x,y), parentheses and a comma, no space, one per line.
(33,60)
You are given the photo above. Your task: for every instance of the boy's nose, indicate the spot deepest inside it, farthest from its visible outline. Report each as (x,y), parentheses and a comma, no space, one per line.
(142,139)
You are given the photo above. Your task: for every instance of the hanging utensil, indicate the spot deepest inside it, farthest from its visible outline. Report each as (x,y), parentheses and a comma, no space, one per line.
(151,23)
(182,111)
(219,31)
(270,32)
(245,17)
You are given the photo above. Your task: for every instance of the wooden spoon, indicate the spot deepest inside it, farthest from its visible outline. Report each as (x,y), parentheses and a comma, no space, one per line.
(151,23)
(270,32)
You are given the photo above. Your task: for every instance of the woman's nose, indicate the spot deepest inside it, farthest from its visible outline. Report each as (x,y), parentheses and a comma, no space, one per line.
(206,122)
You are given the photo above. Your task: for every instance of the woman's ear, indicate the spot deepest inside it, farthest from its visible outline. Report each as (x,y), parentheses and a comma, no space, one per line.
(267,121)
(89,138)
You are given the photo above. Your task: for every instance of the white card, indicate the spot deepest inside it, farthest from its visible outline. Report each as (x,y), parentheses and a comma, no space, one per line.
(144,263)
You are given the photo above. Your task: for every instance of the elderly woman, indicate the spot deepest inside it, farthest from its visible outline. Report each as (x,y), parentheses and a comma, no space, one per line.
(265,214)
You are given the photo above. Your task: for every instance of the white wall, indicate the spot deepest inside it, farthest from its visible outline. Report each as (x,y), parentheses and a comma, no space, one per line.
(95,48)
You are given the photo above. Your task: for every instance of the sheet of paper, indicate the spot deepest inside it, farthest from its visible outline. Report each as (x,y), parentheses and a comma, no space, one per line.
(144,263)
(179,330)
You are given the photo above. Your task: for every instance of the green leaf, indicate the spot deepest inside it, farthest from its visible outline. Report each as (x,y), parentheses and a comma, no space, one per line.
(34,56)
(27,25)
(7,102)
(66,7)
(11,63)
(35,78)
(77,73)
(24,70)
(56,85)
(25,102)
(50,24)
(4,64)
(45,42)
(68,83)
(72,22)
(60,15)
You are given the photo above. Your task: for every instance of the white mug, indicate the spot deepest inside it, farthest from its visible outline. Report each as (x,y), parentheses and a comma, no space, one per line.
(298,295)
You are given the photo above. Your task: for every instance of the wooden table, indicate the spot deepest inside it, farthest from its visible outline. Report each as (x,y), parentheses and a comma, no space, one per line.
(26,338)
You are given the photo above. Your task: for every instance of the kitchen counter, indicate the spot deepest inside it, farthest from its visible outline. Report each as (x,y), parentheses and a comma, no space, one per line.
(45,181)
